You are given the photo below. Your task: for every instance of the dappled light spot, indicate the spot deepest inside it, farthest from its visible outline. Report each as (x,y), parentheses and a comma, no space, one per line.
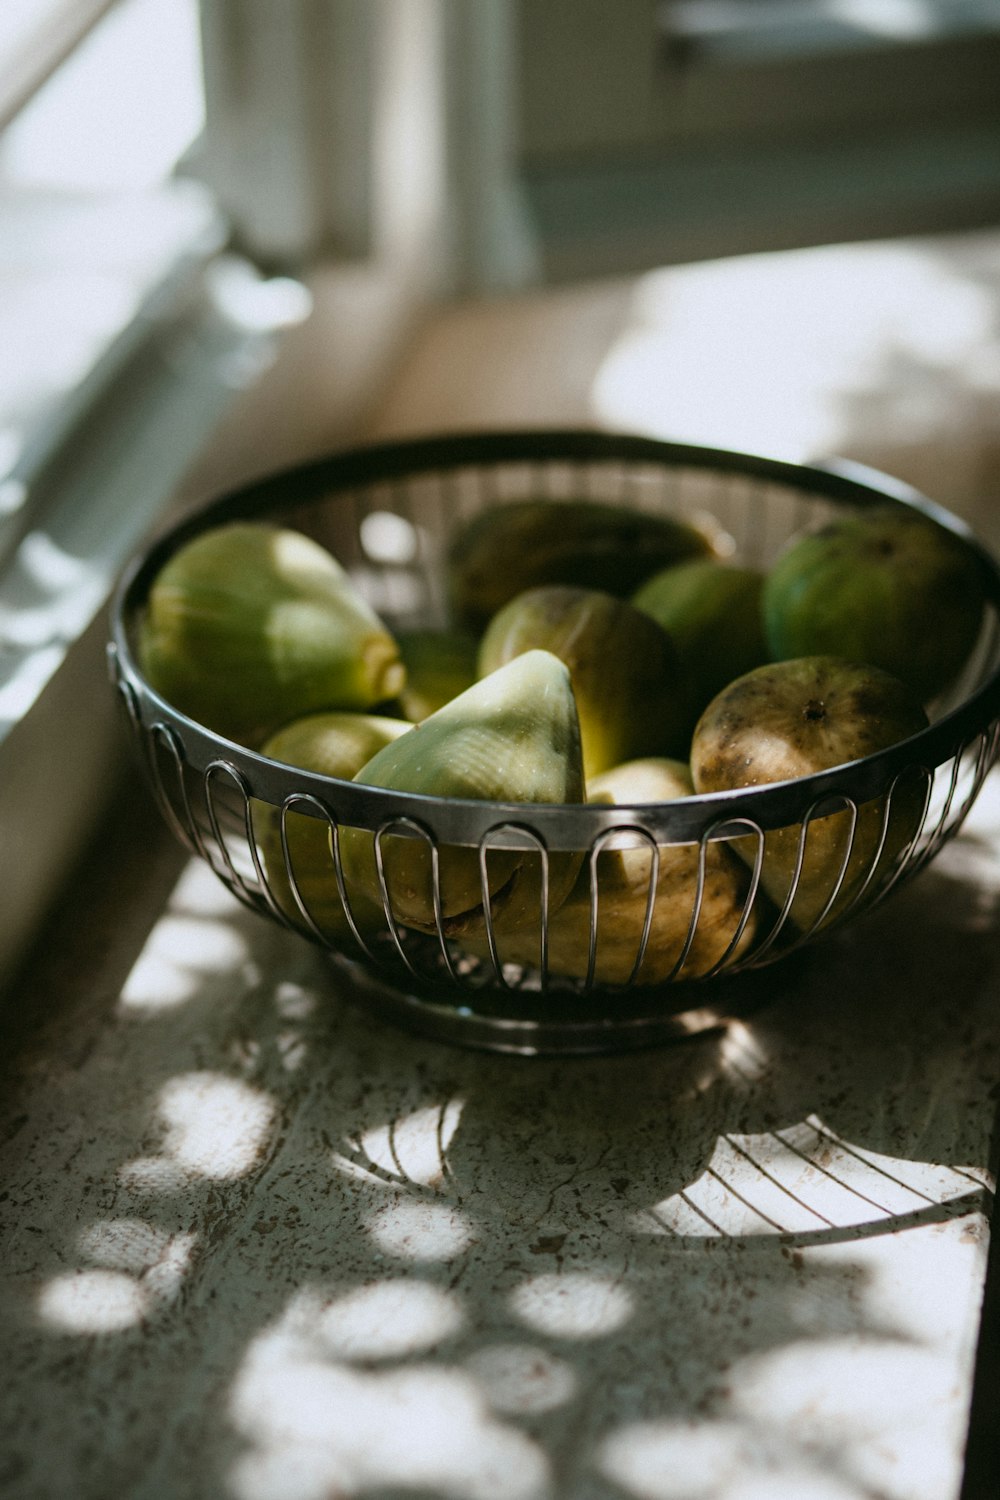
(386,1320)
(293,1001)
(155,1175)
(200,893)
(180,951)
(93,1301)
(292,1049)
(418,1230)
(892,1381)
(887,1406)
(673,1460)
(415,1147)
(217,1126)
(519,1378)
(572,1305)
(160,1259)
(316,1428)
(124,1244)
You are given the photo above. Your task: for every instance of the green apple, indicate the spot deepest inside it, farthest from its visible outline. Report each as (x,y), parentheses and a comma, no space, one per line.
(886,585)
(712,612)
(793,718)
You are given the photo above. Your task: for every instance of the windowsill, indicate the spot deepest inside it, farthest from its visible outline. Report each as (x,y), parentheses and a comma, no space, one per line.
(755,1260)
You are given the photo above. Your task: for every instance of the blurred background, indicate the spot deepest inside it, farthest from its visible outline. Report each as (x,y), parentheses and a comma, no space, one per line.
(237,233)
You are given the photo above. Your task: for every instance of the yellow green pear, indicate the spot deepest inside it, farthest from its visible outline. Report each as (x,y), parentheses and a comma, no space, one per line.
(249,625)
(334,744)
(514,736)
(629,687)
(793,718)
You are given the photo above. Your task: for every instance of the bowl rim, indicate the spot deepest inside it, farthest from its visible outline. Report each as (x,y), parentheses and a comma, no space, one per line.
(557,826)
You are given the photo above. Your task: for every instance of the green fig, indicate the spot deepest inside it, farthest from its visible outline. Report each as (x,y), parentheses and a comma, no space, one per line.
(334,744)
(623,870)
(512,737)
(793,718)
(439,664)
(248,626)
(887,585)
(585,544)
(627,682)
(712,612)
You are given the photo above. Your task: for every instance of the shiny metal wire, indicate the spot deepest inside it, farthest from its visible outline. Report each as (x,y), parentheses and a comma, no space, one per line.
(218,797)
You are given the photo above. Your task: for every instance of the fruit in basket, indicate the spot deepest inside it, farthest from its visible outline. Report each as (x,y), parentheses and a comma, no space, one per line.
(249,625)
(624,869)
(334,744)
(512,737)
(793,718)
(712,612)
(585,544)
(439,664)
(627,681)
(887,585)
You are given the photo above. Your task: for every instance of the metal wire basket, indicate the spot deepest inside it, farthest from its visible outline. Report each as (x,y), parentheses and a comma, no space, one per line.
(386,513)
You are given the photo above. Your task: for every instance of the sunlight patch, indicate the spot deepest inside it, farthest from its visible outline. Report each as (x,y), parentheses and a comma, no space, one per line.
(315,1427)
(386,1320)
(93,1301)
(217,1126)
(519,1378)
(670,1461)
(416,1230)
(414,1147)
(572,1305)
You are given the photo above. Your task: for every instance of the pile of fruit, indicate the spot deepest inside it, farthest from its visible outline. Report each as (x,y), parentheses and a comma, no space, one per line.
(595,654)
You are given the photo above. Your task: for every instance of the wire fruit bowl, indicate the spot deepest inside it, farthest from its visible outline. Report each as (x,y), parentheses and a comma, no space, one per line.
(386,513)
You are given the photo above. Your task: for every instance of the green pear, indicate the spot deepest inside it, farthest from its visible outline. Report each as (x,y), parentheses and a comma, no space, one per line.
(523,544)
(623,869)
(887,585)
(512,737)
(712,612)
(627,682)
(793,718)
(249,626)
(334,744)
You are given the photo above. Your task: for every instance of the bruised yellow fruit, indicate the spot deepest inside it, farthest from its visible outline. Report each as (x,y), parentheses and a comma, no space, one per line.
(627,873)
(629,688)
(249,625)
(793,718)
(513,737)
(334,744)
(581,543)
